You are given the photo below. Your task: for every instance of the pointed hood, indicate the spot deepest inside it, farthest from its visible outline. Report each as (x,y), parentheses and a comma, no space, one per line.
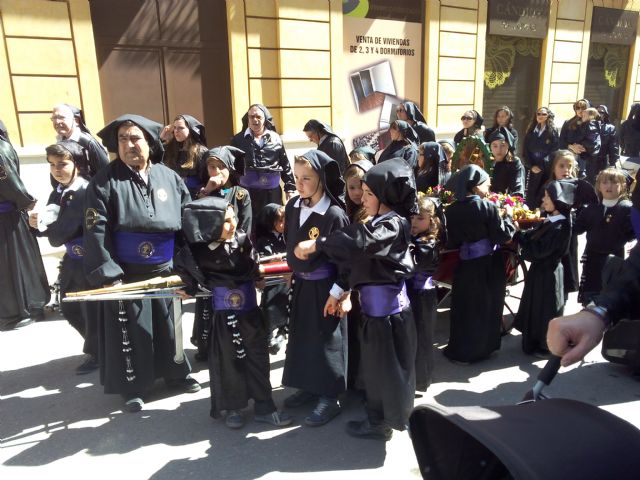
(109,135)
(466,179)
(196,129)
(413,112)
(268,118)
(393,183)
(329,171)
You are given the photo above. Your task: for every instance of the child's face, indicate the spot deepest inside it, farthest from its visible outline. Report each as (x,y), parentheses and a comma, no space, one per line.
(229,225)
(354,190)
(420,223)
(307,180)
(482,189)
(395,133)
(278,225)
(370,202)
(609,189)
(61,169)
(502,118)
(218,171)
(562,169)
(547,203)
(499,149)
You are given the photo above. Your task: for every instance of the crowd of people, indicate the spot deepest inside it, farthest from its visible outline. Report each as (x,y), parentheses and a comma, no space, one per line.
(363,235)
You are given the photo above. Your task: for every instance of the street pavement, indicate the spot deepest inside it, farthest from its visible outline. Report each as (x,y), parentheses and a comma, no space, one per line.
(55,424)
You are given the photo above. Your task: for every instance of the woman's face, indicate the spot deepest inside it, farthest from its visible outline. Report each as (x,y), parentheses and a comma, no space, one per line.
(542,115)
(547,203)
(499,149)
(354,190)
(482,189)
(307,180)
(609,189)
(62,170)
(421,160)
(420,223)
(370,202)
(502,118)
(467,119)
(218,170)
(562,169)
(401,113)
(180,130)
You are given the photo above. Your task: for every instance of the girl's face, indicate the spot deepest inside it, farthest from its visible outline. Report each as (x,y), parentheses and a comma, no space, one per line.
(229,225)
(395,134)
(609,189)
(401,113)
(180,130)
(278,225)
(482,189)
(503,118)
(421,161)
(563,169)
(542,115)
(354,190)
(420,223)
(370,202)
(467,119)
(499,149)
(307,180)
(547,203)
(218,170)
(62,170)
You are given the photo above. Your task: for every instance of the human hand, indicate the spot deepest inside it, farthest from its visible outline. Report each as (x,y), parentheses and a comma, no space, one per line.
(304,249)
(535,169)
(508,210)
(345,305)
(182,294)
(573,336)
(33,219)
(167,133)
(331,306)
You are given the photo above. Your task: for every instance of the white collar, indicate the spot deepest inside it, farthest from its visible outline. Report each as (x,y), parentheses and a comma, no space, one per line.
(610,203)
(322,139)
(75,185)
(381,217)
(555,218)
(75,135)
(320,208)
(539,130)
(144,174)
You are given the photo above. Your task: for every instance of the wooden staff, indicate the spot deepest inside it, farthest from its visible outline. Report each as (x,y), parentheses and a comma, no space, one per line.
(152,283)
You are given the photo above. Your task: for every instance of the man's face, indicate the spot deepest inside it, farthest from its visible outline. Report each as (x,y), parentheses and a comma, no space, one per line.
(63,121)
(133,148)
(256,120)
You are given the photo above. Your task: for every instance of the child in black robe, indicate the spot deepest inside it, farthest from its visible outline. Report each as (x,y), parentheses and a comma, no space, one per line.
(238,355)
(608,228)
(316,361)
(62,225)
(543,296)
(220,180)
(379,261)
(428,174)
(508,172)
(425,233)
(274,301)
(476,227)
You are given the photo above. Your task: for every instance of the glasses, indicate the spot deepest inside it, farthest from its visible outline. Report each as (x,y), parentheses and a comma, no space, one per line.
(577,109)
(465,117)
(58,117)
(542,114)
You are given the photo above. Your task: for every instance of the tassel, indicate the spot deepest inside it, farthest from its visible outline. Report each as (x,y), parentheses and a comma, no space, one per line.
(126,343)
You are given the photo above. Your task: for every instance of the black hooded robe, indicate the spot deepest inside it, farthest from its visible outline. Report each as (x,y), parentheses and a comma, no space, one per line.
(538,151)
(401,149)
(508,177)
(24,289)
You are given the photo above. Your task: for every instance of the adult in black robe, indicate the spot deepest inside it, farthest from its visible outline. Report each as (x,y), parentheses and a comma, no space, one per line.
(410,113)
(265,161)
(379,261)
(471,124)
(508,172)
(240,199)
(428,172)
(328,142)
(540,143)
(582,136)
(609,149)
(608,229)
(403,144)
(185,146)
(503,120)
(132,213)
(630,133)
(24,290)
(238,355)
(474,225)
(543,297)
(316,360)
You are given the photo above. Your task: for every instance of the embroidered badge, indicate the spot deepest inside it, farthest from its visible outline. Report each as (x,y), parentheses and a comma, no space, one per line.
(314,233)
(145,249)
(234,299)
(162,195)
(77,250)
(3,173)
(90,218)
(240,194)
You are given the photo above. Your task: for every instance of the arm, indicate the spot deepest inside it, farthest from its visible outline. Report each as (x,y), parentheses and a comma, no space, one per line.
(287,174)
(11,187)
(573,336)
(245,214)
(614,149)
(69,223)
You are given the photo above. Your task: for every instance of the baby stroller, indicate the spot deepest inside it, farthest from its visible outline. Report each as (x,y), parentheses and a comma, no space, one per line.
(549,439)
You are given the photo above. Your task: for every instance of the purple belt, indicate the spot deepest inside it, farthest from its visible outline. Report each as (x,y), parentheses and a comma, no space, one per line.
(192,182)
(144,247)
(75,248)
(383,300)
(239,299)
(6,207)
(327,270)
(421,281)
(635,220)
(471,250)
(260,180)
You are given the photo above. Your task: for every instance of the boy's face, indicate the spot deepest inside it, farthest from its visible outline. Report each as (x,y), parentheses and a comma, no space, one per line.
(62,170)
(609,189)
(370,202)
(229,225)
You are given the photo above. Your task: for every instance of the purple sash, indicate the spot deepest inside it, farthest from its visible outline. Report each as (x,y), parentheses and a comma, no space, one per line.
(75,248)
(260,180)
(240,299)
(192,182)
(144,247)
(383,300)
(421,281)
(6,207)
(471,250)
(635,221)
(327,270)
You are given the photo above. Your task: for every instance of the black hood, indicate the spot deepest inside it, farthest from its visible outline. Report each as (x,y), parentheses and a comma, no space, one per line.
(318,127)
(501,133)
(562,193)
(329,172)
(196,129)
(465,179)
(407,131)
(109,134)
(433,153)
(267,219)
(364,165)
(368,152)
(268,118)
(78,114)
(202,219)
(413,112)
(227,155)
(394,184)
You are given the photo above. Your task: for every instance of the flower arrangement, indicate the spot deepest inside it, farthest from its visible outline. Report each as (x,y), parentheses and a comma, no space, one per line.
(521,212)
(445,196)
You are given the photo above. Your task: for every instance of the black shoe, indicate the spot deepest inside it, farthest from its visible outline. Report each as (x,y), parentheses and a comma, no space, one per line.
(275,344)
(88,366)
(364,429)
(187,384)
(325,411)
(133,405)
(234,419)
(299,398)
(201,356)
(275,418)
(24,322)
